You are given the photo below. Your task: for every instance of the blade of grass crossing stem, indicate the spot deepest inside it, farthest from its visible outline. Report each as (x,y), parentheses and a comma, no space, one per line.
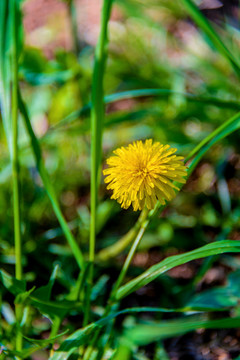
(49,187)
(207,28)
(15,162)
(156,270)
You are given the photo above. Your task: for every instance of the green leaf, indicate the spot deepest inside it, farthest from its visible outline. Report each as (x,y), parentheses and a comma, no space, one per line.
(219,297)
(99,287)
(156,270)
(55,308)
(40,344)
(12,284)
(44,292)
(23,297)
(148,333)
(75,340)
(51,308)
(45,342)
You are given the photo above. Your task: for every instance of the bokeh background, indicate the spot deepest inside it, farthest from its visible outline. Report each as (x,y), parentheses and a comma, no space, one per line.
(152,45)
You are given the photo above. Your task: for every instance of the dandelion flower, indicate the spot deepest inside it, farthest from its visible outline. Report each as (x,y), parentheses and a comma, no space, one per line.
(143,173)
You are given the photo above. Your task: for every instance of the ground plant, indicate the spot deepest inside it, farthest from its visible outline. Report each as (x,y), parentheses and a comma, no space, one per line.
(119,182)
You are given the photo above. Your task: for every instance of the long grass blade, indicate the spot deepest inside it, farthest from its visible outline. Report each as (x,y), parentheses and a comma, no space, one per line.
(9,110)
(207,28)
(49,187)
(148,333)
(218,134)
(97,120)
(97,117)
(138,93)
(156,270)
(5,72)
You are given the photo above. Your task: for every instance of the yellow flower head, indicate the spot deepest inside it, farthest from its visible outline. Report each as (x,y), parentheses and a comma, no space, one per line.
(142,173)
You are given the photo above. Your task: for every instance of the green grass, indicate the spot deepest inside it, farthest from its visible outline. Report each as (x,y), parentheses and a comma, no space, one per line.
(71,255)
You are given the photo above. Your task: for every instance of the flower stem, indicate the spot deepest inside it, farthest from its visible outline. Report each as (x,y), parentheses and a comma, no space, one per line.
(129,259)
(112,302)
(15,167)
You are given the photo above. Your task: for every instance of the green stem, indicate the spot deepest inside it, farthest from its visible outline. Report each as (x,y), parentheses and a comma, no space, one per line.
(97,119)
(112,301)
(15,167)
(129,259)
(74,25)
(54,330)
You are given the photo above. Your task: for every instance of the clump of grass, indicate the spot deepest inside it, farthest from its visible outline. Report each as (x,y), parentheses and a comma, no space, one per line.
(86,283)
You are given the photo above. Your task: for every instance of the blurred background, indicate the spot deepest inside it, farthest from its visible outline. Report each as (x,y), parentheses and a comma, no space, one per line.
(152,45)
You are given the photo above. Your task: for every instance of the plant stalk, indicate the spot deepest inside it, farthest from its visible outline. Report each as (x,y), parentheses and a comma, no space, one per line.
(15,168)
(97,119)
(112,301)
(129,259)
(74,25)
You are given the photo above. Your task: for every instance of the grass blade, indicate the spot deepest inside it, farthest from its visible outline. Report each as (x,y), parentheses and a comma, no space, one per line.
(218,134)
(97,117)
(49,187)
(207,28)
(97,120)
(156,270)
(9,106)
(5,72)
(148,333)
(138,93)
